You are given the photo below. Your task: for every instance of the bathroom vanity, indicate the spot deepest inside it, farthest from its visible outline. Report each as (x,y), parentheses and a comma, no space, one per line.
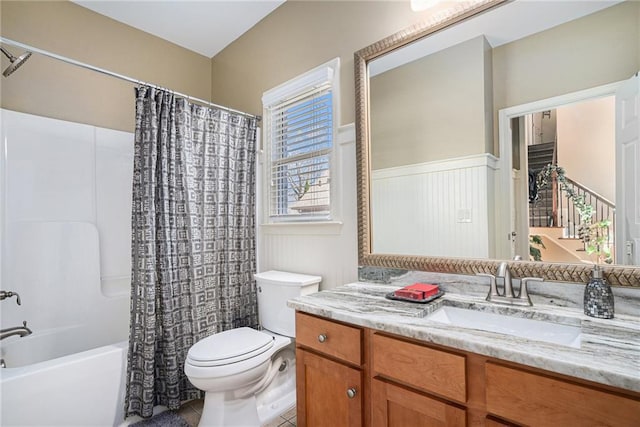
(459,360)
(366,360)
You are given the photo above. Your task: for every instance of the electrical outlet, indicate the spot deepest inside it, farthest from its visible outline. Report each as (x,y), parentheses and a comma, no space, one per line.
(464,216)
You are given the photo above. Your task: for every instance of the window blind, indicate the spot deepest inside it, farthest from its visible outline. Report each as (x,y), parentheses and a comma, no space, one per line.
(301,135)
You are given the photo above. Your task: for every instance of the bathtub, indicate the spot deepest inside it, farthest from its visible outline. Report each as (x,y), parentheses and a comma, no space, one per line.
(81,389)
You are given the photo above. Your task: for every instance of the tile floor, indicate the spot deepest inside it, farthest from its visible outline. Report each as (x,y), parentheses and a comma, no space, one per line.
(288,419)
(191,412)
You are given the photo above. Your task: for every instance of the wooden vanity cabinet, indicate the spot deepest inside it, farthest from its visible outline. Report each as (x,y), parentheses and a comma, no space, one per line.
(401,382)
(329,371)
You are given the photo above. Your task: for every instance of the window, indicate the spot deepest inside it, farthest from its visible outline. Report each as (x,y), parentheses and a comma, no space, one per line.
(300,129)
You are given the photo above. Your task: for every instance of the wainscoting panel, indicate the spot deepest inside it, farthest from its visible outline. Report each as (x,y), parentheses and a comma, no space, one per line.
(434,209)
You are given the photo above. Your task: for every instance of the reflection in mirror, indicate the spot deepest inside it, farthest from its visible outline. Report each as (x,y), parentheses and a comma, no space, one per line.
(440,183)
(429,144)
(574,166)
(578,139)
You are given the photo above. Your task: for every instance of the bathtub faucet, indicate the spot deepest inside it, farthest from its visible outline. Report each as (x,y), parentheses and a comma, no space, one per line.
(9,294)
(17,330)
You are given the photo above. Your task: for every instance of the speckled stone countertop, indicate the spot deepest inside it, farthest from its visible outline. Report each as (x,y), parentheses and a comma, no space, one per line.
(609,352)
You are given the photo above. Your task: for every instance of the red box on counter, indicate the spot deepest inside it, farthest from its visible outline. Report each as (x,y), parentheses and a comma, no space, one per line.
(417,291)
(409,293)
(429,289)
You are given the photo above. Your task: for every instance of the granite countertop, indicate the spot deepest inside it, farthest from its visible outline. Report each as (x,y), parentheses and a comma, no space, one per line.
(609,352)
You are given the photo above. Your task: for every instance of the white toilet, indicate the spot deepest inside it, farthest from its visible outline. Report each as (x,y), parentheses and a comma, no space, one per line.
(249,376)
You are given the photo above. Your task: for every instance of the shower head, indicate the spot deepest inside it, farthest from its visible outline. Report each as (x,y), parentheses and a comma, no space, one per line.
(15,62)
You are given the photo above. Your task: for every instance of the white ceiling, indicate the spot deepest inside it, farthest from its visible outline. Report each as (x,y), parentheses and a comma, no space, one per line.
(203,26)
(513,21)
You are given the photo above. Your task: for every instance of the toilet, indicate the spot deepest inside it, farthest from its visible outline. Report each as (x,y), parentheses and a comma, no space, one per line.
(248,376)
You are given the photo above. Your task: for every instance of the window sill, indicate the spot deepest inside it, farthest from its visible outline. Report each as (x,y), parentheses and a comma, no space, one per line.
(303,228)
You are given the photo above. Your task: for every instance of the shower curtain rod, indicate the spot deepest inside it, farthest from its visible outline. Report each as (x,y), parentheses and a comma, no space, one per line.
(120,76)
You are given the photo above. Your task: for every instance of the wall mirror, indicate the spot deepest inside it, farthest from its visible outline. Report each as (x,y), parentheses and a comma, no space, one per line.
(456,117)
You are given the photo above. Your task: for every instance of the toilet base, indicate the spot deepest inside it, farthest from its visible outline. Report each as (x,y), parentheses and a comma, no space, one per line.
(238,413)
(272,410)
(224,408)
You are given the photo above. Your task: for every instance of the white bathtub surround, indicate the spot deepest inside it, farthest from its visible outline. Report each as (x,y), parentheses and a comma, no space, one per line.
(64,258)
(364,304)
(66,229)
(193,240)
(59,171)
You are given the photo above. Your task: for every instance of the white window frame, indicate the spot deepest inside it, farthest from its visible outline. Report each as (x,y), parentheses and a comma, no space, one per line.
(322,75)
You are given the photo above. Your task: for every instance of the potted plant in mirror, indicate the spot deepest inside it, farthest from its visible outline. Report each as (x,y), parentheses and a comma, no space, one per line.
(535,247)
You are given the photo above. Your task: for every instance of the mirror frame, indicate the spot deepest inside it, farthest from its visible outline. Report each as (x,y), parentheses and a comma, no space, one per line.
(628,276)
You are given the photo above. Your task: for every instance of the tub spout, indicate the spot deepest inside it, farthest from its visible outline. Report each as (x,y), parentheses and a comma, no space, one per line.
(22,331)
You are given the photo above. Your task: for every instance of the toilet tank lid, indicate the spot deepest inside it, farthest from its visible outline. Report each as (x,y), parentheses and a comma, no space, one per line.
(286,279)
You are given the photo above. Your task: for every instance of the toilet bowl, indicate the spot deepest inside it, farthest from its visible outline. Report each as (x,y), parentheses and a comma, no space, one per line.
(248,375)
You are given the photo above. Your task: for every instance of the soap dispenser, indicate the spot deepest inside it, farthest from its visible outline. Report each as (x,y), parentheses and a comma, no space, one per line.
(598,297)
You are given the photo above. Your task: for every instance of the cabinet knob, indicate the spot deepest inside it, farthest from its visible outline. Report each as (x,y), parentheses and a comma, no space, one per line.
(351,392)
(322,337)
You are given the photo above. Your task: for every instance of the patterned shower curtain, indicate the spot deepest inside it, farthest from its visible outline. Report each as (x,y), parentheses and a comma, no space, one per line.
(193,240)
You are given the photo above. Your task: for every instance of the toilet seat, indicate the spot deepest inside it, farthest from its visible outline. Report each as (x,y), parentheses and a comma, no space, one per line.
(228,347)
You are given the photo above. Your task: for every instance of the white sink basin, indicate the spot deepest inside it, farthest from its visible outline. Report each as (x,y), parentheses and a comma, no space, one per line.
(536,330)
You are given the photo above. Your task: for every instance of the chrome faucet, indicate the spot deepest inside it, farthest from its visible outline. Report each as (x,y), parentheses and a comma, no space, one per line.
(9,294)
(508,296)
(17,330)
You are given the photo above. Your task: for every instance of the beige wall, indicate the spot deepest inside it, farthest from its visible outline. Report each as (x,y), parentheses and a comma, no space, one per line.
(586,144)
(299,36)
(421,123)
(51,88)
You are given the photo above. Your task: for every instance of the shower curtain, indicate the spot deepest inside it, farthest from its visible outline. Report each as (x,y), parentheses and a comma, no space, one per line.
(193,240)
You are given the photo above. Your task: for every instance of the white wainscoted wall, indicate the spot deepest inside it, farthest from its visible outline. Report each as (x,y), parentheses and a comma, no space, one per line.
(442,208)
(327,249)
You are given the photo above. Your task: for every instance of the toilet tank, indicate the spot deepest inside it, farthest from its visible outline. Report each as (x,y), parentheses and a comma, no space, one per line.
(275,288)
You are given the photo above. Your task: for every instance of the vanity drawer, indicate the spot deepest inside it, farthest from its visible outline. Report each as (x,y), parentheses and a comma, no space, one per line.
(419,366)
(533,399)
(325,336)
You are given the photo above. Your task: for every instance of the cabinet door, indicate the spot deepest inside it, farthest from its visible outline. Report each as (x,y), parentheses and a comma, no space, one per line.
(394,406)
(329,393)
